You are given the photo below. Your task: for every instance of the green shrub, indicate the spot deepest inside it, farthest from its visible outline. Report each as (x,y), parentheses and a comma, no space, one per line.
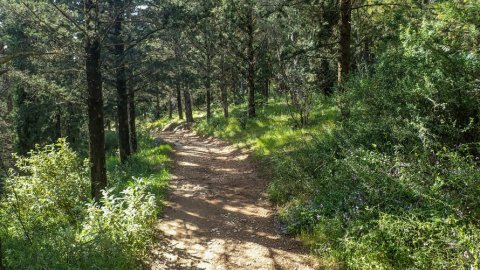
(49,222)
(43,205)
(120,226)
(48,188)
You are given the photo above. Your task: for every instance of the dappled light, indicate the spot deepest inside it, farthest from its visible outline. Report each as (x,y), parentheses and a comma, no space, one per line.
(239,134)
(217,217)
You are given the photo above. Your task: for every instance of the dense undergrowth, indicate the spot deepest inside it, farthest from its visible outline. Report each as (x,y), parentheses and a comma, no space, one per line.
(50,222)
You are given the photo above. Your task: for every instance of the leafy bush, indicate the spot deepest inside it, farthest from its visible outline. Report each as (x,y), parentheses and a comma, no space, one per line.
(48,188)
(49,222)
(120,226)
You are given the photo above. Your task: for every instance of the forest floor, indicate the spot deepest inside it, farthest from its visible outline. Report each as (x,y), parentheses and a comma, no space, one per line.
(217,216)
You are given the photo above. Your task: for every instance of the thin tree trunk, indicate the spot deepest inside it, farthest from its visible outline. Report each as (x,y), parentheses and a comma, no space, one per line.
(251,65)
(170,106)
(58,125)
(9,94)
(179,102)
(9,102)
(121,83)
(345,26)
(70,127)
(266,94)
(132,120)
(188,104)
(2,266)
(157,106)
(23,144)
(223,88)
(237,97)
(95,106)
(208,86)
(367,53)
(115,124)
(326,78)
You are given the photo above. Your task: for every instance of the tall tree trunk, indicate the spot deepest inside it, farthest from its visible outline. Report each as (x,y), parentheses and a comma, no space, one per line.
(22,119)
(71,128)
(188,104)
(223,88)
(58,125)
(115,124)
(2,266)
(179,101)
(237,96)
(132,120)
(266,93)
(170,105)
(95,119)
(157,106)
(345,27)
(367,52)
(121,82)
(326,77)
(9,93)
(95,104)
(9,102)
(208,85)
(251,64)
(208,57)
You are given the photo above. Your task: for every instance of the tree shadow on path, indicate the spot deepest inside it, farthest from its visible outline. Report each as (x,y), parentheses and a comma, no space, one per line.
(217,217)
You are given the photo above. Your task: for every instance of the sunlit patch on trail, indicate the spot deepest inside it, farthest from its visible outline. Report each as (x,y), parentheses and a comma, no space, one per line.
(217,218)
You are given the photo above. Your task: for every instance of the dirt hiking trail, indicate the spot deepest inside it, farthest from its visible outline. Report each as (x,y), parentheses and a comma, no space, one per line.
(217,217)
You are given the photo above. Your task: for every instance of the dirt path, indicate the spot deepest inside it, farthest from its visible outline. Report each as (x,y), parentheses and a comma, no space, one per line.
(217,217)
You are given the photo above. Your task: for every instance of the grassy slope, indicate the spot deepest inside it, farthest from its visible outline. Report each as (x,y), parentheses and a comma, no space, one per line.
(271,132)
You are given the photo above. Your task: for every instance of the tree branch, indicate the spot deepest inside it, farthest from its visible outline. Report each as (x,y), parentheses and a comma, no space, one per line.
(69,18)
(8,58)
